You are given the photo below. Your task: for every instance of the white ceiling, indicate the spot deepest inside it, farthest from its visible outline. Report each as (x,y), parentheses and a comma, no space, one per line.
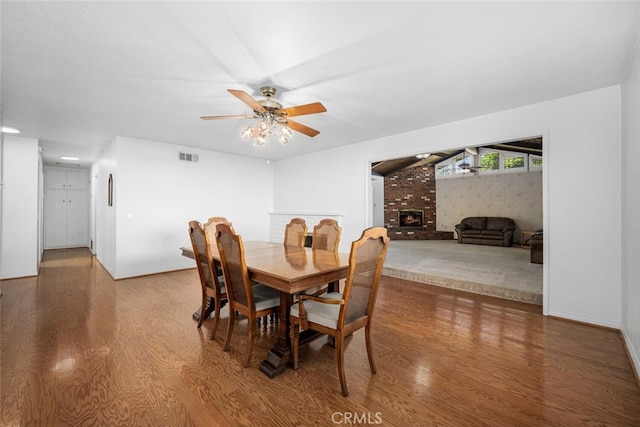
(77,74)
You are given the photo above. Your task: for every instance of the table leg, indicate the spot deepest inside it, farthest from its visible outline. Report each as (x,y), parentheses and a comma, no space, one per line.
(211,305)
(279,355)
(334,286)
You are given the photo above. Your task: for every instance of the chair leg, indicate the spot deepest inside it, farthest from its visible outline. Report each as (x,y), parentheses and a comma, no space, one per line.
(203,309)
(367,335)
(216,318)
(340,358)
(247,357)
(294,334)
(227,341)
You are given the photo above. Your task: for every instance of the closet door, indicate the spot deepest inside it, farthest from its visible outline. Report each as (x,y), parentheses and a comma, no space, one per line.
(66,208)
(55,216)
(56,179)
(77,218)
(76,180)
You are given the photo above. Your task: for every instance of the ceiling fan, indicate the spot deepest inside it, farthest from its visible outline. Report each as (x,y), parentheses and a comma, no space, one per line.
(272,114)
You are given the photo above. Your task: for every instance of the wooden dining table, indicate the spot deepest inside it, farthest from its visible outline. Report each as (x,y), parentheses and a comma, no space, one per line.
(290,270)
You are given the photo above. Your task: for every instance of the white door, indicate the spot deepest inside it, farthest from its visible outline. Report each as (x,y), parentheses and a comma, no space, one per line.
(77,218)
(76,180)
(55,217)
(66,208)
(56,179)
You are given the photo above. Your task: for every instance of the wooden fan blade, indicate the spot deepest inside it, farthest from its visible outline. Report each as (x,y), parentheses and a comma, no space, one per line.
(247,99)
(302,128)
(301,110)
(227,117)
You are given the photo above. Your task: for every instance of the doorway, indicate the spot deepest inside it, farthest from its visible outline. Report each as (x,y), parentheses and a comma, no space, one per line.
(465,196)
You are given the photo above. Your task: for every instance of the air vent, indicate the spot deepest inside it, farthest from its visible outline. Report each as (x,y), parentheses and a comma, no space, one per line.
(188,157)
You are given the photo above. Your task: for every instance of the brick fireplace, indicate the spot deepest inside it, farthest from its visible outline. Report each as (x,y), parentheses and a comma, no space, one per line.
(410,205)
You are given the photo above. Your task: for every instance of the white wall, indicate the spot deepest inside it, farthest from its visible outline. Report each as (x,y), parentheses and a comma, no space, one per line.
(327,181)
(93,176)
(19,254)
(156,195)
(40,206)
(582,231)
(631,209)
(105,220)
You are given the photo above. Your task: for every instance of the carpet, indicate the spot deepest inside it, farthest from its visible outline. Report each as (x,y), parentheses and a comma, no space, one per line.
(488,270)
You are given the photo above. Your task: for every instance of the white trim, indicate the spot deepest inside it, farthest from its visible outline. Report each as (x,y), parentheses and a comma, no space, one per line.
(546,259)
(631,351)
(584,319)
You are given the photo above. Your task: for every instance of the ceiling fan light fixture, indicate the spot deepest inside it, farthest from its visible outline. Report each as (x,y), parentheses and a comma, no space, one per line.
(259,140)
(247,133)
(285,134)
(273,118)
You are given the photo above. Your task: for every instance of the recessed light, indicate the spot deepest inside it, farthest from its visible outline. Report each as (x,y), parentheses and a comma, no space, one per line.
(69,158)
(7,129)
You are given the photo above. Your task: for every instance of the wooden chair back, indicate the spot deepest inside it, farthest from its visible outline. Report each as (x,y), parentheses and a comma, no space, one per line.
(202,254)
(295,232)
(210,227)
(212,289)
(365,267)
(326,235)
(236,275)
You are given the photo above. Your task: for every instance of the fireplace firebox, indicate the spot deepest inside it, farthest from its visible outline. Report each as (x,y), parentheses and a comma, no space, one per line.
(410,219)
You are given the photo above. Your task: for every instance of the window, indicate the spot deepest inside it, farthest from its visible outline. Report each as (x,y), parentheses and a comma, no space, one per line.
(514,161)
(490,161)
(535,162)
(444,169)
(467,160)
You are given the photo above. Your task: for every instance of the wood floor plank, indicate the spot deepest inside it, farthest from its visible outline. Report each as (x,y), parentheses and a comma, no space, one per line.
(79,348)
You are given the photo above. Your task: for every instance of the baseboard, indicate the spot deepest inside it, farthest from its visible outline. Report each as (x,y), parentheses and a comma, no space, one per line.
(631,352)
(584,319)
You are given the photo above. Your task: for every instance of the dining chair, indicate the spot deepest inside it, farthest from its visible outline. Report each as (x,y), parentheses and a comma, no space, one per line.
(295,232)
(210,229)
(213,289)
(340,314)
(326,235)
(249,299)
(210,226)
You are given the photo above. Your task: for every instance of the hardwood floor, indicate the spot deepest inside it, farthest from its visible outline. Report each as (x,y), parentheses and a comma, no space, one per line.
(81,349)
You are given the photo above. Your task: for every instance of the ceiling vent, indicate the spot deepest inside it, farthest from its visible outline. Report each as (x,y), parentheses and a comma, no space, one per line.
(188,157)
